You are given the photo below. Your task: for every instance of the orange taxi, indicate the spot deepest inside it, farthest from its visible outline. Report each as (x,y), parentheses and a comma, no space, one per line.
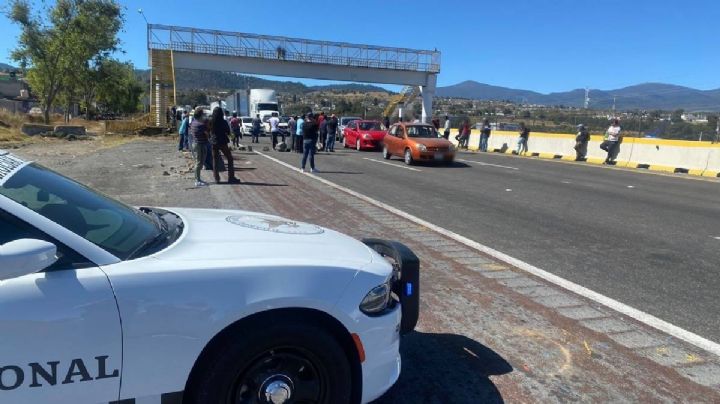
(416,142)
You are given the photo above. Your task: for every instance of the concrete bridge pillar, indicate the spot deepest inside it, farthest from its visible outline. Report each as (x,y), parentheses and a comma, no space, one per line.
(428,92)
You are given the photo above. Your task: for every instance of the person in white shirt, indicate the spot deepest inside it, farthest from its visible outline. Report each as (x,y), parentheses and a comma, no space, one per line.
(612,141)
(446,133)
(274,122)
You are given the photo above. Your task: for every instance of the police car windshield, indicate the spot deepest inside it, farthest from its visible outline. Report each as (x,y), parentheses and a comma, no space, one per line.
(119,229)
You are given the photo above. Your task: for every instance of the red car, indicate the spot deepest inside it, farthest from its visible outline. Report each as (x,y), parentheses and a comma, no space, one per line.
(364,134)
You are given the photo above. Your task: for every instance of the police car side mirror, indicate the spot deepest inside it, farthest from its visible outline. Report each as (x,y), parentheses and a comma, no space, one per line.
(25,256)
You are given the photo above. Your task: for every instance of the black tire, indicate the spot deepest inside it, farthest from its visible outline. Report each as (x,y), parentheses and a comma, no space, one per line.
(295,353)
(386,154)
(408,157)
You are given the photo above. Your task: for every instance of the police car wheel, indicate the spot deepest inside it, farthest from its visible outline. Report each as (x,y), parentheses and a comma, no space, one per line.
(278,363)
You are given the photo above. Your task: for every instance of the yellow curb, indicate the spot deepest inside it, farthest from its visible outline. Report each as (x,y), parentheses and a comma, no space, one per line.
(594,160)
(665,169)
(546,155)
(708,173)
(696,172)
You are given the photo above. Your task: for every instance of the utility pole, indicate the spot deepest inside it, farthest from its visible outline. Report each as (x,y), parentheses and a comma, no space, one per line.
(587,97)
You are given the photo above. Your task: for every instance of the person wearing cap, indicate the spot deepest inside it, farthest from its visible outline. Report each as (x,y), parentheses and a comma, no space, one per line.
(581,142)
(310,138)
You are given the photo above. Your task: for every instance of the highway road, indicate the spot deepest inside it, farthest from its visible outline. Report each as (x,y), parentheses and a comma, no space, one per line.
(650,241)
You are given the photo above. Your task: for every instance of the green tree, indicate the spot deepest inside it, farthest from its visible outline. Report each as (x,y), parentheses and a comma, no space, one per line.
(57,49)
(676,116)
(118,90)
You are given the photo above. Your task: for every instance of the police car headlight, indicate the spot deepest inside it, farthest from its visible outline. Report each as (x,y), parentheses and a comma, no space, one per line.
(422,147)
(376,300)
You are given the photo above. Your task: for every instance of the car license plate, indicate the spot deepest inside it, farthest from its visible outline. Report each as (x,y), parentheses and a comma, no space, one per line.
(439,156)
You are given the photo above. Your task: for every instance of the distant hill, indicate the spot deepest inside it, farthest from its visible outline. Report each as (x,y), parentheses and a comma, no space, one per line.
(6,67)
(187,79)
(642,96)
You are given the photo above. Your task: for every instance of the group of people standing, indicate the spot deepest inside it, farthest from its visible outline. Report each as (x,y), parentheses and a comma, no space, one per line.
(208,138)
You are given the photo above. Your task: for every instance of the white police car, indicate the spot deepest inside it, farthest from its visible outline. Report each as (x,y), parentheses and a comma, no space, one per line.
(102,302)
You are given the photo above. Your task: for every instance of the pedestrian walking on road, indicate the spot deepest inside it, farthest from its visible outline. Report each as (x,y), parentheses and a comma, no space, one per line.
(292,128)
(256,124)
(332,126)
(323,135)
(198,132)
(436,123)
(274,122)
(464,135)
(485,135)
(522,146)
(183,143)
(219,139)
(299,135)
(446,127)
(310,138)
(611,142)
(581,142)
(235,127)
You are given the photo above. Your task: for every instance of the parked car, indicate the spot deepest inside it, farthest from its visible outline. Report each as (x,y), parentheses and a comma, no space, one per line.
(189,305)
(342,122)
(364,135)
(417,142)
(246,127)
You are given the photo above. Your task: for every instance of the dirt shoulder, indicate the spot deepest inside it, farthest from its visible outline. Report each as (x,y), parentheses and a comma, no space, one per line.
(487,333)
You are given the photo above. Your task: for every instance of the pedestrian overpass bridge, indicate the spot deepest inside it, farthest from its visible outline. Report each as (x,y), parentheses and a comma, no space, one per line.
(172,47)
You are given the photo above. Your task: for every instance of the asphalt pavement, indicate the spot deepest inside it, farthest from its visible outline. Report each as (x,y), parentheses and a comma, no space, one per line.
(647,240)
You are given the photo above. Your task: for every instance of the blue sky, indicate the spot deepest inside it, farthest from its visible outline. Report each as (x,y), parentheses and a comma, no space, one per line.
(540,45)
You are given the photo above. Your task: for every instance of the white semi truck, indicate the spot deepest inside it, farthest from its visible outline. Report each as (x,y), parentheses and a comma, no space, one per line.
(256,101)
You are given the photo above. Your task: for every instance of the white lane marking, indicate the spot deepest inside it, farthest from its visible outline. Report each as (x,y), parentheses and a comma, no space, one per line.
(641,316)
(717,238)
(566,182)
(508,190)
(487,164)
(391,164)
(631,186)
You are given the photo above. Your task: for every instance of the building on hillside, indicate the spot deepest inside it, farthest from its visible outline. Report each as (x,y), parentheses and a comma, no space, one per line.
(694,118)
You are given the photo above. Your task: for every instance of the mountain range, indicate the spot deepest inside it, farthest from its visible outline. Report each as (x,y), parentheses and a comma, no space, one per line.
(186,79)
(641,96)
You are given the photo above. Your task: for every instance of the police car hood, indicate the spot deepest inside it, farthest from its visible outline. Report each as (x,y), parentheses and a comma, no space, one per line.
(241,238)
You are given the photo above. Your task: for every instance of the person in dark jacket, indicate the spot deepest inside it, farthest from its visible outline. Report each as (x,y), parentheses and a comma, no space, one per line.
(219,139)
(198,132)
(332,126)
(581,142)
(485,135)
(323,133)
(255,131)
(524,133)
(310,138)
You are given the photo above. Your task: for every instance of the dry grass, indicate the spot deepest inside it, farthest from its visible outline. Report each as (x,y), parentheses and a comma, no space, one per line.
(10,126)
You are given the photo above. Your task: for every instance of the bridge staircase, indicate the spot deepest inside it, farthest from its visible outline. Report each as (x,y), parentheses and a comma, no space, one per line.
(162,84)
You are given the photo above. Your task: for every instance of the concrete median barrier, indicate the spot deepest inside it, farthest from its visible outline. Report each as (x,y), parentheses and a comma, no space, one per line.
(666,155)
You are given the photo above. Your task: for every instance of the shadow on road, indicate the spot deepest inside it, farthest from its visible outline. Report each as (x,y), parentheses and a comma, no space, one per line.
(446,368)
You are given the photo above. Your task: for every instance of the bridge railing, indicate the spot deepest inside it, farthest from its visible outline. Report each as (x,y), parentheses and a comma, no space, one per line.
(180,39)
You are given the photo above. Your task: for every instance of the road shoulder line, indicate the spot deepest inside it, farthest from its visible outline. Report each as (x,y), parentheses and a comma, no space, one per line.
(638,315)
